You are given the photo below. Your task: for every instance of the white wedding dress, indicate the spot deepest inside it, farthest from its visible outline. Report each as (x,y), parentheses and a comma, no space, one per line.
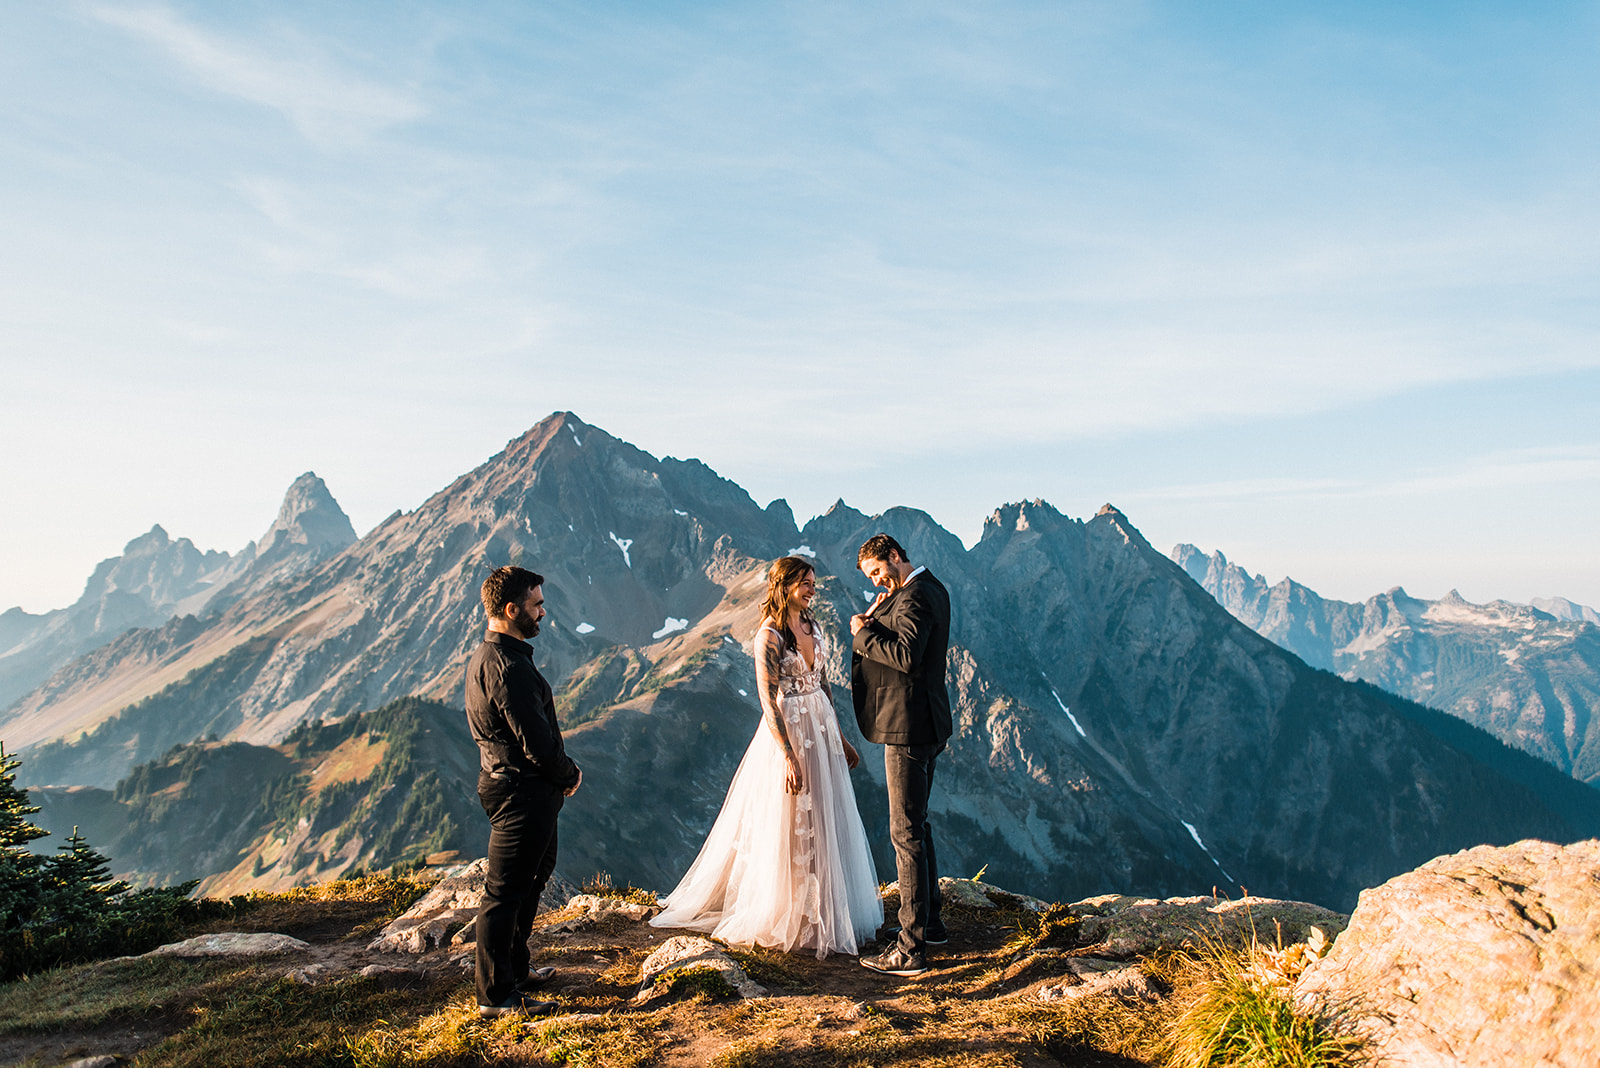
(789,871)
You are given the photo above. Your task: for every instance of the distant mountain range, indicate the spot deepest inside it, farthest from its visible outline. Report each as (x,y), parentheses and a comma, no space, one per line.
(157,579)
(1530,675)
(1117,729)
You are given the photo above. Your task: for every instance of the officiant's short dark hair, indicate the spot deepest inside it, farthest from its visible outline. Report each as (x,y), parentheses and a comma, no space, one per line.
(878,547)
(507,584)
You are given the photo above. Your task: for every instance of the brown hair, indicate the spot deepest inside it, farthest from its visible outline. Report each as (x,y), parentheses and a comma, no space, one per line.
(505,585)
(878,547)
(785,572)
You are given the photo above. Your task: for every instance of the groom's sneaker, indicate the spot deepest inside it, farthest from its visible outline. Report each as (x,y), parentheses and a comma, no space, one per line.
(936,935)
(896,962)
(518,1005)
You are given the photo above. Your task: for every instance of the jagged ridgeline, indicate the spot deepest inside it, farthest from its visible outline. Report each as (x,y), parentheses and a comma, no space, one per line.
(1528,674)
(369,791)
(1116,729)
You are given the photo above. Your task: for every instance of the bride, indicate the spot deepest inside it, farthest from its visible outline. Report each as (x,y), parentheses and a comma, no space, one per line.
(786,864)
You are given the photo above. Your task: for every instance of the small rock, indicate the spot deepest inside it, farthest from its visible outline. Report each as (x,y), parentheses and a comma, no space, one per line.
(231,944)
(104,1060)
(861,1010)
(310,975)
(390,978)
(1092,976)
(690,951)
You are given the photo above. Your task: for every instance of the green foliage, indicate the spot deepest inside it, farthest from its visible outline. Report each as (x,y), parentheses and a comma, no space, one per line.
(20,869)
(66,907)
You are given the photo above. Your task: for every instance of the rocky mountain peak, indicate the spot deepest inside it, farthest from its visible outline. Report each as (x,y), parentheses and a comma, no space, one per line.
(308,519)
(1110,514)
(153,541)
(1567,611)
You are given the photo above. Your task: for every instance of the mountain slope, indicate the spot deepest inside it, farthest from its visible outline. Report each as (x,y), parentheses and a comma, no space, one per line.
(1530,677)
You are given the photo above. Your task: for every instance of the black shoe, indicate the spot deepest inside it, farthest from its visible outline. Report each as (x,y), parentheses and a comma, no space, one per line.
(936,936)
(896,962)
(537,978)
(518,1005)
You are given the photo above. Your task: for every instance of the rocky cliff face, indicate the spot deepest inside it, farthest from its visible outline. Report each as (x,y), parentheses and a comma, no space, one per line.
(1116,727)
(1530,675)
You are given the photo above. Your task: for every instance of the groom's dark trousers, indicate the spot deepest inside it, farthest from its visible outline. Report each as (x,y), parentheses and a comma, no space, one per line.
(897,685)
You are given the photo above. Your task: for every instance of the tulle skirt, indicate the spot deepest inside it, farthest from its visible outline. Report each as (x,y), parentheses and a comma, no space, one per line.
(789,871)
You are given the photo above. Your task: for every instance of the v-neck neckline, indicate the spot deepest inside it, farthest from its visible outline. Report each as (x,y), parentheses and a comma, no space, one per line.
(811,665)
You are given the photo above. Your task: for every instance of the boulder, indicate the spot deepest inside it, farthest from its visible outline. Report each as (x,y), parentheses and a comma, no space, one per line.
(231,944)
(1094,976)
(1117,925)
(1490,956)
(684,952)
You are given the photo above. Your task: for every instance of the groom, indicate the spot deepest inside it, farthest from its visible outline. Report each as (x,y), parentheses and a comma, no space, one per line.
(897,685)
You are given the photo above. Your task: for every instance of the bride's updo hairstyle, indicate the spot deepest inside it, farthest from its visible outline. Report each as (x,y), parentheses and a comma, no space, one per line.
(785,572)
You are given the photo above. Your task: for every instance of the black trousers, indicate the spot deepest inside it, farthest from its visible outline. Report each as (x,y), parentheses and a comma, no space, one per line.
(909,770)
(522,854)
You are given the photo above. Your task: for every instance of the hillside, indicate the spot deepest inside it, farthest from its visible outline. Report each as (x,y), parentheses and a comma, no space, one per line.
(368,791)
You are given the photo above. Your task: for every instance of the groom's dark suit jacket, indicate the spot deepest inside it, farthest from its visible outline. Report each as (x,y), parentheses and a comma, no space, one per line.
(897,666)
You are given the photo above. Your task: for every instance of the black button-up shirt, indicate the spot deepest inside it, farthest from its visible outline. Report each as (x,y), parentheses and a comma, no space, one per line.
(512,712)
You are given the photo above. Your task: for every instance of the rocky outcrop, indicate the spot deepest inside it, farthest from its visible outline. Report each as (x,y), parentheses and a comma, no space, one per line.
(440,913)
(1488,957)
(1122,927)
(444,916)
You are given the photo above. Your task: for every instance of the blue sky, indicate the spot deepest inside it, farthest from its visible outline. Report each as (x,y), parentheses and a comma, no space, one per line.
(1311,283)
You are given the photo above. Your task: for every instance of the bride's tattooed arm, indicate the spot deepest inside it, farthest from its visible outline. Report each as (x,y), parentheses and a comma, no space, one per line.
(769,660)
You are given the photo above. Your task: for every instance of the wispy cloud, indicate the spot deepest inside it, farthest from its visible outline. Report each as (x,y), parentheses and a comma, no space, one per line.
(326,104)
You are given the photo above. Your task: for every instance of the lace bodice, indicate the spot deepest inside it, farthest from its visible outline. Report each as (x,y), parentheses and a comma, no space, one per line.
(794,678)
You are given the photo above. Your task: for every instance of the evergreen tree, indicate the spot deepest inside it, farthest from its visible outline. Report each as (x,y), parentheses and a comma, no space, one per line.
(20,870)
(77,887)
